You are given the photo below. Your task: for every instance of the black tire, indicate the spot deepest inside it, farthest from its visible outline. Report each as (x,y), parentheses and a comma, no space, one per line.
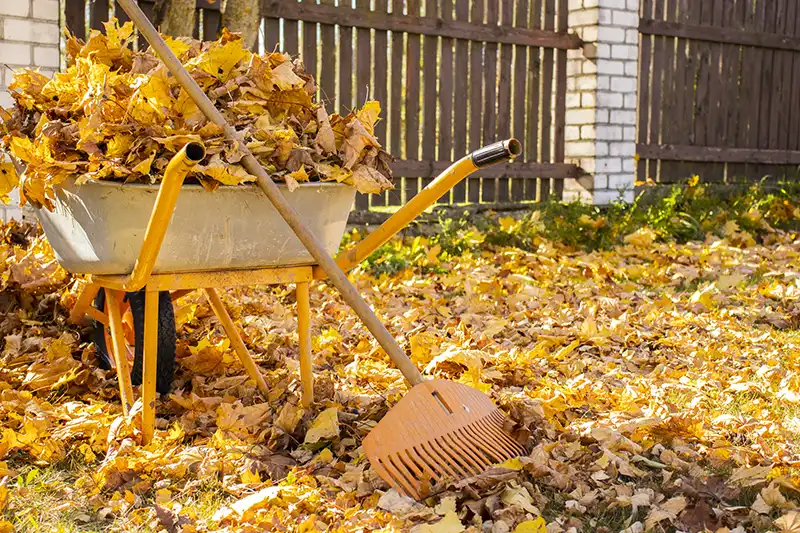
(165,370)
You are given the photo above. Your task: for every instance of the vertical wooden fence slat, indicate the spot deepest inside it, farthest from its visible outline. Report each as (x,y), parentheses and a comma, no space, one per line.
(98,13)
(489,185)
(714,172)
(75,17)
(310,47)
(656,81)
(429,51)
(395,196)
(755,22)
(290,39)
(731,76)
(532,139)
(668,103)
(212,24)
(380,90)
(475,98)
(504,93)
(518,103)
(148,8)
(794,121)
(767,103)
(412,100)
(548,65)
(272,34)
(645,86)
(677,12)
(327,64)
(460,105)
(561,98)
(445,143)
(363,82)
(779,83)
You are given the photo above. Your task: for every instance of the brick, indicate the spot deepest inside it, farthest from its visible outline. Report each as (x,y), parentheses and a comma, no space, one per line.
(623,149)
(588,33)
(610,67)
(632,36)
(584,17)
(607,34)
(580,116)
(621,181)
(588,100)
(624,51)
(46,56)
(619,116)
(629,165)
(587,165)
(30,30)
(614,4)
(574,66)
(572,133)
(45,9)
(600,149)
(609,164)
(630,101)
(15,53)
(626,18)
(603,50)
(5,99)
(605,197)
(609,99)
(632,68)
(604,16)
(579,149)
(629,134)
(600,181)
(591,3)
(609,133)
(633,5)
(623,84)
(15,8)
(573,100)
(586,83)
(603,83)
(589,67)
(601,116)
(588,132)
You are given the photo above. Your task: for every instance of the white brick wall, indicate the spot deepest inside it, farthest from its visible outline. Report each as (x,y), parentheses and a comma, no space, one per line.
(29,36)
(602,85)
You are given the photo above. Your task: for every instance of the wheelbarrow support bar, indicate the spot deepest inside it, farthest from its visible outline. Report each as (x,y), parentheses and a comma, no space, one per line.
(483,157)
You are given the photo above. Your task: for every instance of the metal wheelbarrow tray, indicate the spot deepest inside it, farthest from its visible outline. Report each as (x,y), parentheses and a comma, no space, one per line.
(98,227)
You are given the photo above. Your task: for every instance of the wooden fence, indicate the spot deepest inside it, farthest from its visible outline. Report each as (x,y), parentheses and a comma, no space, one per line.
(451,75)
(717,90)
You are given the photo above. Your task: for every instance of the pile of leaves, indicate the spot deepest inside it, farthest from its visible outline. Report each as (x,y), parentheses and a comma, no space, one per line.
(117,114)
(654,385)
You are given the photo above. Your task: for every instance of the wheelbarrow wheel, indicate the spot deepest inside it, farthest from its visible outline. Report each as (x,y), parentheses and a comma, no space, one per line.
(133,329)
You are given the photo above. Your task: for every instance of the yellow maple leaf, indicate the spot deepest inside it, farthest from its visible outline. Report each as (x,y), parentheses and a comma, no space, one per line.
(537,525)
(8,181)
(324,427)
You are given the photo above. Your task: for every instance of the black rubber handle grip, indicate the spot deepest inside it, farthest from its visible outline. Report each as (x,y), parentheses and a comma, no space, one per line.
(496,153)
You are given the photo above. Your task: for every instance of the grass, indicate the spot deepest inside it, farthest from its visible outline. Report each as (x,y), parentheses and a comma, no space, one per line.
(679,213)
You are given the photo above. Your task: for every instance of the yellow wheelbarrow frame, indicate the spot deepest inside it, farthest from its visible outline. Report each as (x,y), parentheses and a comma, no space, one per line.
(142,277)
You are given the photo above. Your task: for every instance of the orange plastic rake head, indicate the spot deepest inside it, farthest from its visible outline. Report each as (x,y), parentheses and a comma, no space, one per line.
(439,432)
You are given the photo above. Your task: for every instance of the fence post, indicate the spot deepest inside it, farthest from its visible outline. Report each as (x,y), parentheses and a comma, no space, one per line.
(601,100)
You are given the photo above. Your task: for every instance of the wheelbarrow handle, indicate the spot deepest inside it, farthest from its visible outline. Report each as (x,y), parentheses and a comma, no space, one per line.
(498,152)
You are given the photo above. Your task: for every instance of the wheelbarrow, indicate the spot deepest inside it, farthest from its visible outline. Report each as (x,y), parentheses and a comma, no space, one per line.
(437,432)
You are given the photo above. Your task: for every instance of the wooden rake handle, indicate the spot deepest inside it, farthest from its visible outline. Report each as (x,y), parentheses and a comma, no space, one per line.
(292,218)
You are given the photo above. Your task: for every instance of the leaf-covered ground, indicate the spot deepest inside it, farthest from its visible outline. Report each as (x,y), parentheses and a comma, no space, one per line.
(654,385)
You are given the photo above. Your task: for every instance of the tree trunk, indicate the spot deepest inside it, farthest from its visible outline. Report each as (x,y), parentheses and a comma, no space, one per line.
(175,18)
(243,16)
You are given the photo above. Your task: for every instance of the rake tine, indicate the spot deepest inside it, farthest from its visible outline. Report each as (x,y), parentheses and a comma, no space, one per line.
(429,463)
(474,445)
(491,435)
(412,465)
(491,450)
(467,453)
(499,422)
(452,459)
(406,483)
(441,461)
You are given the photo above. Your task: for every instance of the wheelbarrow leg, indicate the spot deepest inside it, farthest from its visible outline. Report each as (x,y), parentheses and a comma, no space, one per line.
(150,362)
(118,349)
(304,333)
(85,300)
(236,340)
